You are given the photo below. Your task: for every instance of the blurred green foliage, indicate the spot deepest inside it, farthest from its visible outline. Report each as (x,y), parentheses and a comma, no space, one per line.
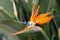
(9,24)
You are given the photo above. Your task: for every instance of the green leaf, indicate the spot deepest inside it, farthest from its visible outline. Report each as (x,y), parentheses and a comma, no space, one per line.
(6,31)
(7,5)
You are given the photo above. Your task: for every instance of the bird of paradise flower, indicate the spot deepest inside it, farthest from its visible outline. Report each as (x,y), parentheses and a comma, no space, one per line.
(34,19)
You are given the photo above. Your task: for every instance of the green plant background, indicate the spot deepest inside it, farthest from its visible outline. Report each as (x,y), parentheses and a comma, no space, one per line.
(9,24)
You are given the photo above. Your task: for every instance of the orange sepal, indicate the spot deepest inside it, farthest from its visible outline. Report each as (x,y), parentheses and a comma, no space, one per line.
(32,18)
(34,13)
(44,20)
(42,15)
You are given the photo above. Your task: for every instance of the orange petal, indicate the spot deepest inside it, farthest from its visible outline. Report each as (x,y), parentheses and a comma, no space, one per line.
(44,20)
(43,15)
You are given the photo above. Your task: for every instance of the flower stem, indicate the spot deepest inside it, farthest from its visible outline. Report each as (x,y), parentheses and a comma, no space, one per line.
(44,34)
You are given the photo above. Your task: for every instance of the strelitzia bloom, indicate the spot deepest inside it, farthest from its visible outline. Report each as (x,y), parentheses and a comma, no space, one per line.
(40,19)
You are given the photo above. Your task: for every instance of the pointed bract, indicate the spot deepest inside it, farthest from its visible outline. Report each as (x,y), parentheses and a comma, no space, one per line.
(17,33)
(22,31)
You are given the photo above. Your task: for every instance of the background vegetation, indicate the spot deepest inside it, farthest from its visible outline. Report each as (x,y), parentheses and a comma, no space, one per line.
(9,21)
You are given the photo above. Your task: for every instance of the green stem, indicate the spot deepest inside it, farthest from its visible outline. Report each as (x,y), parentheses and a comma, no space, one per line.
(44,34)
